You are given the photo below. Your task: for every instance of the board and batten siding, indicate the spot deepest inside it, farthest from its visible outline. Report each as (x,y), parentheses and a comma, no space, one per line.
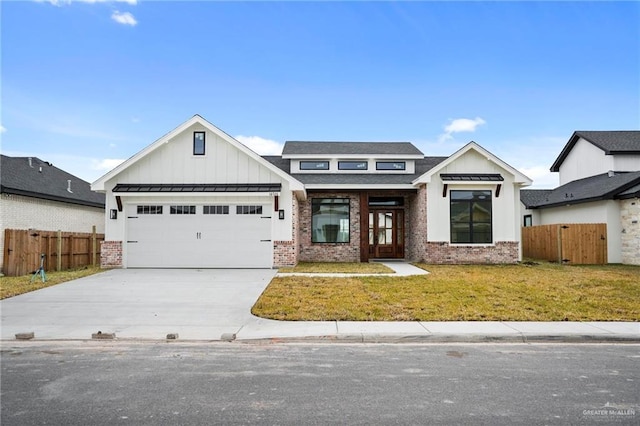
(506,224)
(584,160)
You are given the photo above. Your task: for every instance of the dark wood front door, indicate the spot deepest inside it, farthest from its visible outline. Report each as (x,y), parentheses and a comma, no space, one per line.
(386,233)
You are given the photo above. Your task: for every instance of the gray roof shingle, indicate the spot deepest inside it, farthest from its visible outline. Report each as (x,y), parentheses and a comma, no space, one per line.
(612,142)
(533,197)
(593,188)
(350,148)
(45,181)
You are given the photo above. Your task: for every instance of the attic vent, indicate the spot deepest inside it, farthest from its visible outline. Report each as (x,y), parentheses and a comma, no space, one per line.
(611,173)
(69,186)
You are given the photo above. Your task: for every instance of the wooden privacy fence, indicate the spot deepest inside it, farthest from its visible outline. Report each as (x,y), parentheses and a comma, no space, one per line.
(62,250)
(574,243)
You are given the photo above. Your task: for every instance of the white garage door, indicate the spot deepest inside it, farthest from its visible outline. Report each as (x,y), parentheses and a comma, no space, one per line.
(199,236)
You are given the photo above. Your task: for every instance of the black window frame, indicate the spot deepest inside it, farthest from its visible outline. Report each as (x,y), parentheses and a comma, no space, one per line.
(527,220)
(306,165)
(196,148)
(390,166)
(248,209)
(316,203)
(182,209)
(149,209)
(215,210)
(352,165)
(476,201)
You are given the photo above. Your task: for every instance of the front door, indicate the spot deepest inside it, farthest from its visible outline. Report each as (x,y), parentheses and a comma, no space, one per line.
(386,233)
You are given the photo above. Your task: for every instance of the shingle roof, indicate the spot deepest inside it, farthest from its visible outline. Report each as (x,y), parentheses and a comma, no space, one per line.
(373,178)
(350,148)
(45,181)
(617,142)
(593,188)
(533,197)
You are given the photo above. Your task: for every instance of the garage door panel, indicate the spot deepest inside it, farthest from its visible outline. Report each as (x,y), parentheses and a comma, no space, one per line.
(199,240)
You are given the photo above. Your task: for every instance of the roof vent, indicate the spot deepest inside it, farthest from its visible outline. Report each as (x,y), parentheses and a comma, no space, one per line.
(31,162)
(69,186)
(611,173)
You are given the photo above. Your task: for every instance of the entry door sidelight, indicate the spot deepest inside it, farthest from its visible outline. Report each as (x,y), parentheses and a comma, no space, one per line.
(386,233)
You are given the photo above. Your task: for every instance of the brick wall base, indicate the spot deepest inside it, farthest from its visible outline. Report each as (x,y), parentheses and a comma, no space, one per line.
(111,254)
(501,252)
(284,254)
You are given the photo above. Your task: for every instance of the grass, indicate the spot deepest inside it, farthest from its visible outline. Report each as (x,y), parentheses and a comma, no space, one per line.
(338,268)
(13,286)
(540,292)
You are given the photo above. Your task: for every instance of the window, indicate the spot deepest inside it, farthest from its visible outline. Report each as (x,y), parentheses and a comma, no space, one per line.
(314,165)
(391,165)
(471,217)
(182,210)
(248,209)
(353,165)
(198,143)
(149,209)
(215,209)
(330,220)
(386,201)
(528,220)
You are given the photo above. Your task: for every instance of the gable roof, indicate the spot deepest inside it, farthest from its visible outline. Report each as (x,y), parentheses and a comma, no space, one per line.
(594,188)
(397,149)
(518,176)
(618,142)
(32,177)
(98,185)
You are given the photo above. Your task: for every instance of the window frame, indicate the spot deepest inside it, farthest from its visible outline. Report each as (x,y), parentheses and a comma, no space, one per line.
(306,165)
(197,152)
(154,209)
(246,209)
(352,165)
(182,210)
(389,166)
(471,222)
(527,220)
(343,201)
(215,210)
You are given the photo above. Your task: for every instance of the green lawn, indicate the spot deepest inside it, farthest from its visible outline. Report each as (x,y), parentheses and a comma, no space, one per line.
(541,292)
(13,286)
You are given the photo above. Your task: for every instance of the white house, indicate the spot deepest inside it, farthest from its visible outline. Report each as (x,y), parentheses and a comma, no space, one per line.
(599,183)
(199,198)
(37,195)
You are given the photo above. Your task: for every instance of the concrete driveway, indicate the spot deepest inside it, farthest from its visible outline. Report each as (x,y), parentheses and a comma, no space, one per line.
(139,303)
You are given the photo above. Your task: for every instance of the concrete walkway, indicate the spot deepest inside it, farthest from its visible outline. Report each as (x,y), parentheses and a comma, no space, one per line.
(213,305)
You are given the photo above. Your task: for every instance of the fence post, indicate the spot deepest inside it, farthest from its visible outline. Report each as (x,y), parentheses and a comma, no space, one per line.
(59,252)
(560,244)
(94,246)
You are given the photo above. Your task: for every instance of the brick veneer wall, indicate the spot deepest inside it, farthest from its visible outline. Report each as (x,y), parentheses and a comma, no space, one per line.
(444,253)
(330,252)
(285,253)
(416,222)
(111,254)
(630,217)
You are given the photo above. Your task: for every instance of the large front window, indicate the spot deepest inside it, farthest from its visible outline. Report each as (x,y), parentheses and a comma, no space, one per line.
(471,217)
(330,220)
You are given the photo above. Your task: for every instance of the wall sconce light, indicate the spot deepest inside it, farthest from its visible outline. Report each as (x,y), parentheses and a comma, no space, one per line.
(113,214)
(281,214)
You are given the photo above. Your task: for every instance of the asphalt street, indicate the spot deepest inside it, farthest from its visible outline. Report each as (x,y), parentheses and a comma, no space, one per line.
(111,383)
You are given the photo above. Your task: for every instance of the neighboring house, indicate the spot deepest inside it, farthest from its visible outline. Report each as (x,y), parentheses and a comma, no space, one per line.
(38,195)
(599,183)
(199,198)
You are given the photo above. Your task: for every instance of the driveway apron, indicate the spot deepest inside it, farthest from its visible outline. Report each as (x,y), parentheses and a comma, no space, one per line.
(198,304)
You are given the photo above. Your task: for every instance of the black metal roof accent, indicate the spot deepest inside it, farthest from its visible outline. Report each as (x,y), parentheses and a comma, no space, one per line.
(32,177)
(472,177)
(205,187)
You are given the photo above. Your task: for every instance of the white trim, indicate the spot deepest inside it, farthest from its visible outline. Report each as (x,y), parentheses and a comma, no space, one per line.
(339,187)
(99,185)
(399,157)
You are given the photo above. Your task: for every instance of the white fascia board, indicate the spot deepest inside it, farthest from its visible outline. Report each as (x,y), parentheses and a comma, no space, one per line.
(352,156)
(99,185)
(340,187)
(519,178)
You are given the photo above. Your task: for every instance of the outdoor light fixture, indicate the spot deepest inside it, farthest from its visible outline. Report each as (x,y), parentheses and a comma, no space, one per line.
(281,214)
(114,214)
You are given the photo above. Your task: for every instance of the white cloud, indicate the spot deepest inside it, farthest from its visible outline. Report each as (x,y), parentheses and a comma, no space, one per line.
(541,176)
(2,129)
(461,125)
(124,18)
(260,145)
(63,2)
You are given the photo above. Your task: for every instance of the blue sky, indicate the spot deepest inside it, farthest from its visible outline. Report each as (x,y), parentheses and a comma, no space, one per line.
(86,84)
